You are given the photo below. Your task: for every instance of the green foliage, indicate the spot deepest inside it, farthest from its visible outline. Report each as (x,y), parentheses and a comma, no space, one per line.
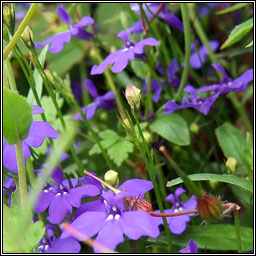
(140,69)
(249,45)
(238,33)
(117,147)
(230,179)
(173,128)
(34,233)
(232,8)
(17,115)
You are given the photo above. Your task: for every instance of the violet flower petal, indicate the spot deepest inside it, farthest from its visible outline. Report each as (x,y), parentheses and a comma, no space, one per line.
(37,110)
(80,33)
(171,106)
(139,47)
(85,21)
(44,201)
(178,224)
(91,88)
(191,248)
(91,110)
(171,19)
(122,59)
(66,245)
(97,205)
(63,14)
(57,175)
(39,131)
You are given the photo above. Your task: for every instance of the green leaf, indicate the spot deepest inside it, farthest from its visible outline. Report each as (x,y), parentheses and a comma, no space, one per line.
(34,233)
(232,8)
(249,45)
(238,33)
(139,68)
(38,79)
(173,128)
(232,142)
(231,179)
(117,147)
(17,116)
(212,237)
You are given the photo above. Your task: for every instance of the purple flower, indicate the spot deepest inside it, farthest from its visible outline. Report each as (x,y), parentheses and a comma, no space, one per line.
(104,101)
(196,61)
(227,84)
(39,131)
(60,197)
(74,30)
(179,223)
(191,248)
(167,16)
(113,221)
(121,57)
(51,244)
(202,105)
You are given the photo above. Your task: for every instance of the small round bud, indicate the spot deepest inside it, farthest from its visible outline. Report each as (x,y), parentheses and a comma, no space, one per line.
(104,116)
(213,183)
(147,136)
(111,177)
(231,164)
(133,96)
(210,208)
(194,128)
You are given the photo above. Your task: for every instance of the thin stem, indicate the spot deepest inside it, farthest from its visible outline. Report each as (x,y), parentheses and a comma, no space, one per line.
(187,35)
(238,234)
(155,214)
(30,171)
(11,78)
(149,105)
(20,30)
(22,175)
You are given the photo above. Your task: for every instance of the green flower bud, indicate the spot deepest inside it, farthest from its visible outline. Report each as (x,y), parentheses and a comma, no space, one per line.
(213,183)
(9,17)
(27,37)
(127,124)
(210,208)
(111,177)
(231,164)
(147,136)
(133,96)
(194,128)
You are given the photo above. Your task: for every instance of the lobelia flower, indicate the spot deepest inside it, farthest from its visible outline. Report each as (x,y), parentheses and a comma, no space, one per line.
(104,101)
(227,84)
(191,248)
(74,30)
(178,224)
(60,197)
(39,131)
(121,57)
(174,81)
(202,105)
(111,220)
(51,244)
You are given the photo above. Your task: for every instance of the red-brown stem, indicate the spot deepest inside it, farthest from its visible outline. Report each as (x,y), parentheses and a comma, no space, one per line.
(165,153)
(85,239)
(154,214)
(157,12)
(145,27)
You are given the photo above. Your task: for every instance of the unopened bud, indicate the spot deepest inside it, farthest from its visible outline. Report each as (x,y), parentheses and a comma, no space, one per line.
(231,164)
(147,136)
(194,128)
(133,96)
(127,124)
(111,177)
(213,183)
(9,17)
(104,116)
(27,37)
(210,208)
(49,74)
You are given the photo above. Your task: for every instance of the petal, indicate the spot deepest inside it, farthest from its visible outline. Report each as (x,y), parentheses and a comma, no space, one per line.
(219,67)
(80,33)
(193,246)
(110,59)
(85,21)
(91,111)
(171,106)
(77,115)
(178,224)
(136,187)
(91,88)
(89,223)
(137,27)
(172,69)
(75,195)
(58,209)
(138,223)
(110,235)
(139,47)
(57,175)
(122,60)
(171,19)
(107,96)
(191,204)
(123,35)
(157,88)
(66,245)
(240,83)
(179,191)
(39,131)
(208,103)
(63,14)
(44,201)
(207,88)
(37,110)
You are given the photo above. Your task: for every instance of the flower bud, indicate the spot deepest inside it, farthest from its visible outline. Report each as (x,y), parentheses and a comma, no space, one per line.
(231,164)
(111,177)
(127,124)
(194,128)
(9,17)
(213,183)
(27,37)
(147,136)
(209,207)
(133,96)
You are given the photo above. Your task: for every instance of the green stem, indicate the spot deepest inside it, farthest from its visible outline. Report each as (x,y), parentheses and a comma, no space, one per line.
(187,35)
(149,105)
(22,175)
(147,157)
(20,30)
(31,172)
(238,234)
(11,78)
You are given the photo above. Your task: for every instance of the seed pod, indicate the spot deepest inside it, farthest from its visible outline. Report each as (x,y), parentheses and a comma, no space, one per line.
(136,203)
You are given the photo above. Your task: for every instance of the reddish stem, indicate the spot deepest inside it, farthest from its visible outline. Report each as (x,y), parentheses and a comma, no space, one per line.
(157,12)
(154,214)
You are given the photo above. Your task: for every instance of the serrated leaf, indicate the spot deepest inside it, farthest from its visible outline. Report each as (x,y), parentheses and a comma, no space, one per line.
(172,128)
(37,77)
(34,233)
(232,8)
(232,142)
(120,151)
(249,45)
(17,116)
(238,33)
(230,179)
(212,237)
